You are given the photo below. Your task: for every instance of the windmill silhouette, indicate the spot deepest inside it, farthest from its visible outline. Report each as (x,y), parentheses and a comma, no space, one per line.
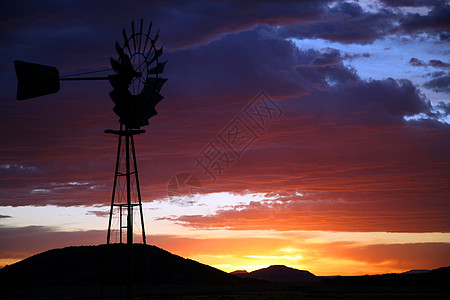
(136,92)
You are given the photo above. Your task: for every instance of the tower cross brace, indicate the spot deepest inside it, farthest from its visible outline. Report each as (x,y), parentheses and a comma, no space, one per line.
(126,135)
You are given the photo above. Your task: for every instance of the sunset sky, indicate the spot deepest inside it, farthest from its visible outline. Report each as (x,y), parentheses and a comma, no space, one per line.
(345,170)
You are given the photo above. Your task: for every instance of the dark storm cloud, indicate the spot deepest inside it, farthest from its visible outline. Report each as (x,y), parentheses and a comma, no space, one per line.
(439,84)
(413,3)
(208,86)
(342,124)
(74,35)
(349,23)
(51,25)
(346,23)
(445,107)
(437,21)
(383,101)
(350,57)
(209,20)
(319,78)
(245,62)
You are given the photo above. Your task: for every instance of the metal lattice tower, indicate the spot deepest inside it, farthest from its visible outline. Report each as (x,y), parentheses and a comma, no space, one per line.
(126,167)
(136,92)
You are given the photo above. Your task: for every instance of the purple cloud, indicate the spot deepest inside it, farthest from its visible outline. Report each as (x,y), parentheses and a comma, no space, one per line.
(439,64)
(346,23)
(432,63)
(435,22)
(412,3)
(439,84)
(417,62)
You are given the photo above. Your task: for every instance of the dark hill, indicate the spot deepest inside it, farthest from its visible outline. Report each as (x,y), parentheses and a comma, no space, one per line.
(280,274)
(434,278)
(92,267)
(421,271)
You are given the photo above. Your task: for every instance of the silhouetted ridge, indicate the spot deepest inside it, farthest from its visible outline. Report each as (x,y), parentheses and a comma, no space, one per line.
(437,277)
(81,272)
(89,265)
(421,271)
(279,273)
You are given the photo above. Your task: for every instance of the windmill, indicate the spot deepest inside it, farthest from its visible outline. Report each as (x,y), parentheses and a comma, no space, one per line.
(136,92)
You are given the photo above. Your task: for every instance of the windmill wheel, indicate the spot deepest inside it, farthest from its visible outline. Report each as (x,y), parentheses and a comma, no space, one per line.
(137,81)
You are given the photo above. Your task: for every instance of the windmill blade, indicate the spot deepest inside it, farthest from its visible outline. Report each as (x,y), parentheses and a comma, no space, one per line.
(148,34)
(156,83)
(133,34)
(145,114)
(149,97)
(157,54)
(117,82)
(140,34)
(119,49)
(139,122)
(119,96)
(35,80)
(149,112)
(125,62)
(156,38)
(126,44)
(126,71)
(158,69)
(155,99)
(114,64)
(153,42)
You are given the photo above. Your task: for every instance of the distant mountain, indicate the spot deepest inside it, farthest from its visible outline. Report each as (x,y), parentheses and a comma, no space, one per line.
(91,267)
(421,271)
(279,273)
(239,272)
(437,278)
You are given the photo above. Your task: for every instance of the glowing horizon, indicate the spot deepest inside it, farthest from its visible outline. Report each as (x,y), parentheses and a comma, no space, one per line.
(231,250)
(317,132)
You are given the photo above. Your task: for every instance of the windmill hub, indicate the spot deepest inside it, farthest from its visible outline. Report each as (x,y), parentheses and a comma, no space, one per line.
(137,81)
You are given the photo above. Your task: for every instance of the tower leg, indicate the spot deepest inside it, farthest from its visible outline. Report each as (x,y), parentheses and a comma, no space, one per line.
(130,216)
(116,173)
(138,191)
(128,175)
